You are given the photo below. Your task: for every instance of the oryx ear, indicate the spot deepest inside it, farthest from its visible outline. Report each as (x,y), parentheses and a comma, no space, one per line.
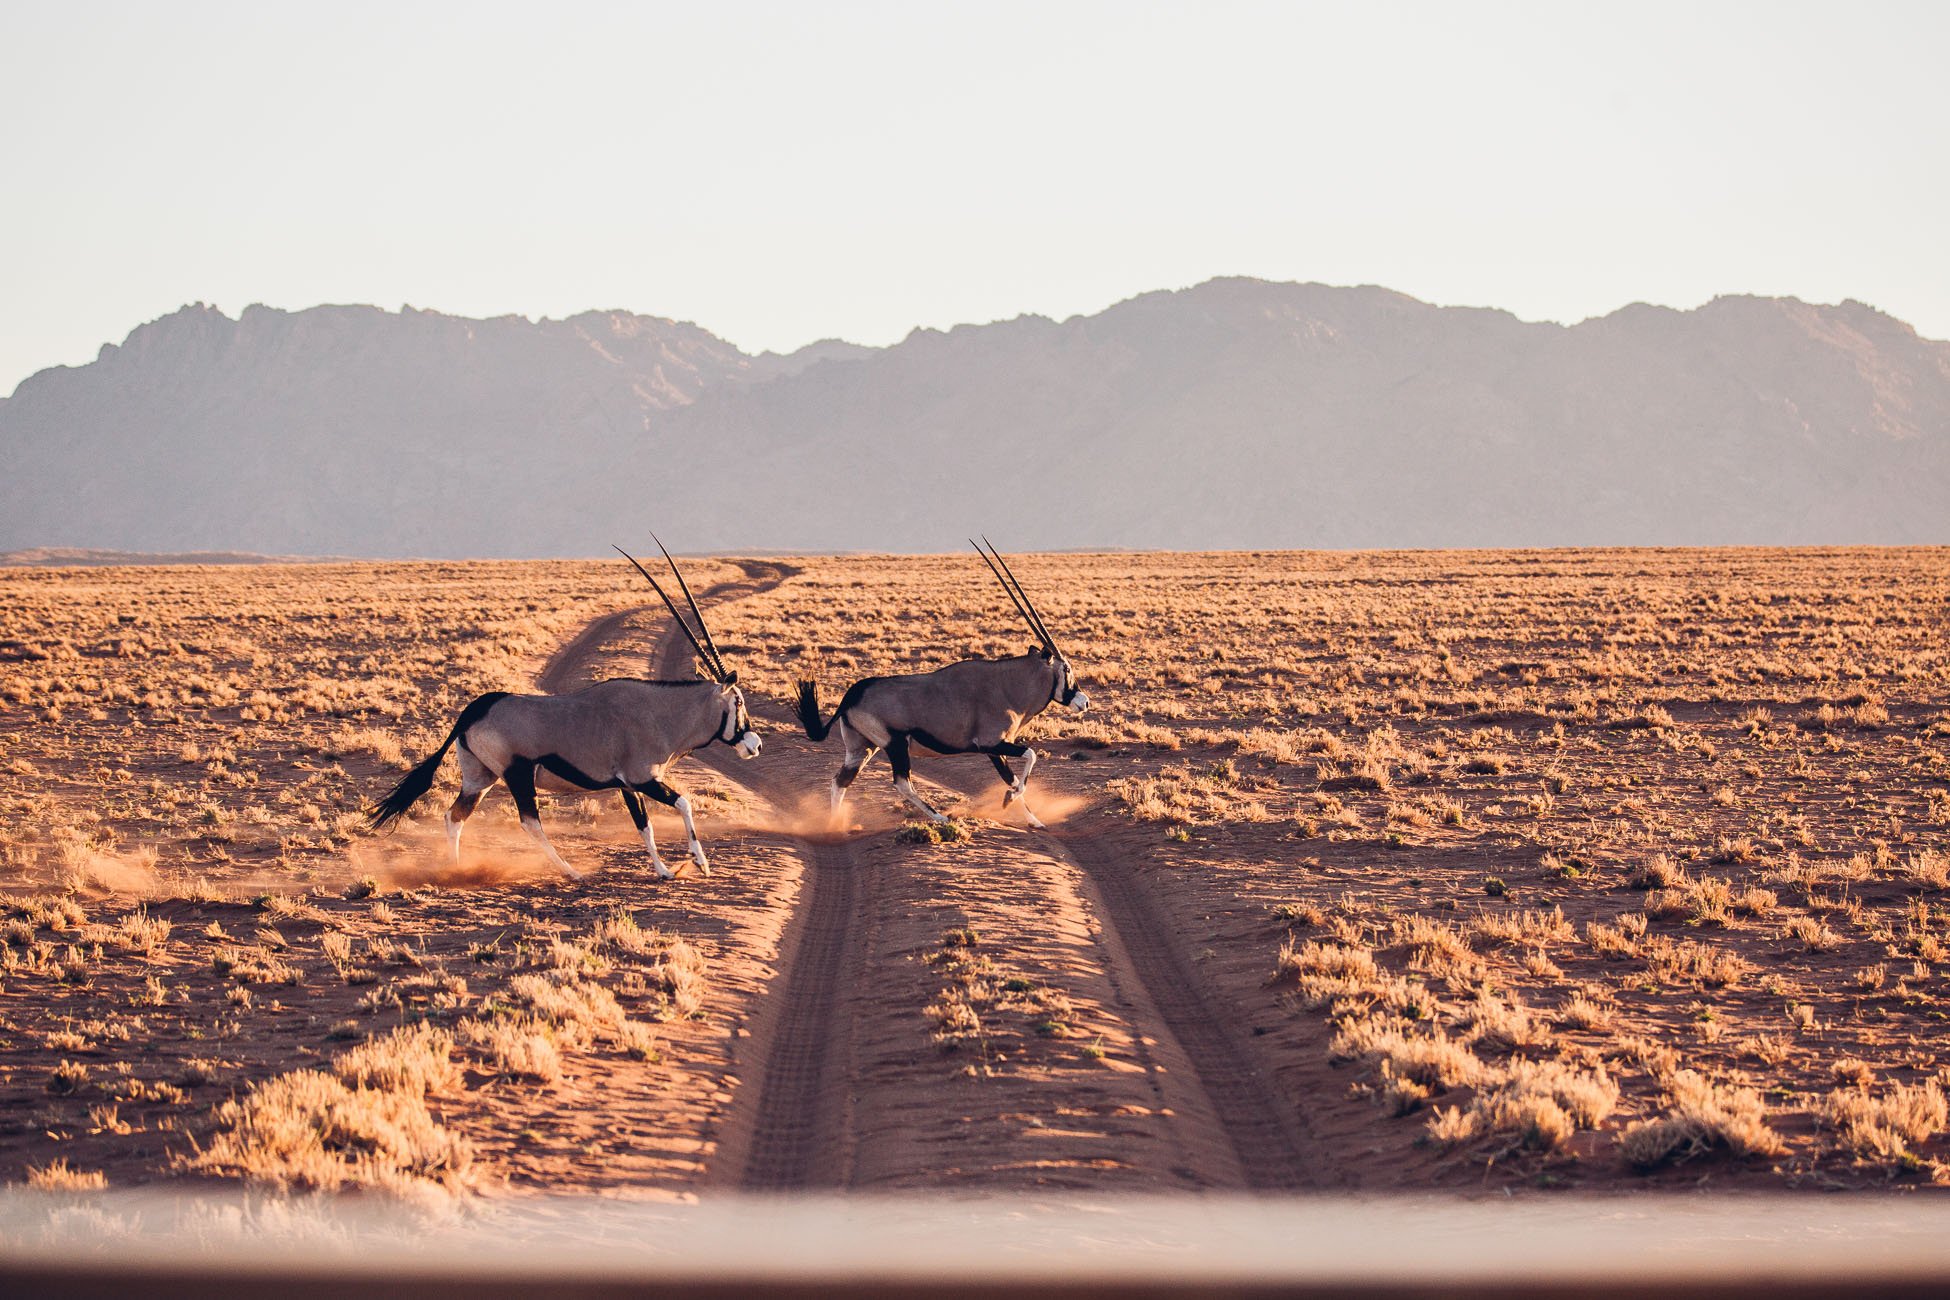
(1042,650)
(731,678)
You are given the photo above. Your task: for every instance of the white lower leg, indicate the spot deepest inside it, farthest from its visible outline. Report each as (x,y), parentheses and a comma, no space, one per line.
(534,829)
(690,829)
(1022,787)
(1022,780)
(650,843)
(453,838)
(907,792)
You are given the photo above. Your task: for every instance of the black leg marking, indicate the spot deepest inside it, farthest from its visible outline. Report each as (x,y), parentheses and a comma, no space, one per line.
(927,741)
(1002,769)
(463,806)
(567,771)
(851,768)
(635,805)
(660,792)
(520,779)
(897,755)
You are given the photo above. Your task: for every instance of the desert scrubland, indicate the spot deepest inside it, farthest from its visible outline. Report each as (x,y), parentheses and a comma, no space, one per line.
(1585,869)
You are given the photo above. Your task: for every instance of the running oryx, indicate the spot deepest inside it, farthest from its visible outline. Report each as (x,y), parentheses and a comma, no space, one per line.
(622,734)
(973,707)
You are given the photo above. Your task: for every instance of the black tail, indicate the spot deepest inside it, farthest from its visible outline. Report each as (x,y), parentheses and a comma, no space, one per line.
(809,712)
(420,780)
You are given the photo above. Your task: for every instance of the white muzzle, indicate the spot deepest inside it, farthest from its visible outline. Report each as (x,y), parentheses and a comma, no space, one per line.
(1079,702)
(748,745)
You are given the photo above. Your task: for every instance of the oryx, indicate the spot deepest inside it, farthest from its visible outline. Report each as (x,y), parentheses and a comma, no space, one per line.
(973,707)
(622,734)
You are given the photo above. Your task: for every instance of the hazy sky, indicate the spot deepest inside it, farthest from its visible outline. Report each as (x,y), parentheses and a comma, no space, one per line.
(781,173)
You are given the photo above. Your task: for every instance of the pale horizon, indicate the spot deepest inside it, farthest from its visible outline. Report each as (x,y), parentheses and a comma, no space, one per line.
(779,177)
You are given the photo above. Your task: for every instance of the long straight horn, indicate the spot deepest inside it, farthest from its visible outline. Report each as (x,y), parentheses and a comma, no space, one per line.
(717,660)
(1017,597)
(1042,629)
(672,607)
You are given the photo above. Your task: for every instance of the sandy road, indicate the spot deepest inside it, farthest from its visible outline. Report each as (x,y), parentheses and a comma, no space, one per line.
(840,1092)
(791,1134)
(788,1131)
(1267,1133)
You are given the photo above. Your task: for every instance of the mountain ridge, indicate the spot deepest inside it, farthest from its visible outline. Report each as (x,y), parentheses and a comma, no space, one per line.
(1235,413)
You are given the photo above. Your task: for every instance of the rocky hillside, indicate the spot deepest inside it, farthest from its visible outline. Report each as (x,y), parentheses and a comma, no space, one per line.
(1236,414)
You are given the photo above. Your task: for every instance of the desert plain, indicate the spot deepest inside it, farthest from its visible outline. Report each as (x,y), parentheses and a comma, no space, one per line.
(1381,871)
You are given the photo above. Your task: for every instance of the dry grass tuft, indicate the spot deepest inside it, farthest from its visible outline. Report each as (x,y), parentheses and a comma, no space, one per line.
(1539,1105)
(1701,1116)
(411,1059)
(309,1131)
(55,1176)
(1886,1126)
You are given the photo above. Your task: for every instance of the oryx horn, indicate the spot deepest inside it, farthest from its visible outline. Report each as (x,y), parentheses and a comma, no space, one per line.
(702,626)
(1020,597)
(709,656)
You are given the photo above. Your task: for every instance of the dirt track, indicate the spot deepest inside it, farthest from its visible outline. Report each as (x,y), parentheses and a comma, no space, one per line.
(1353,893)
(842,1087)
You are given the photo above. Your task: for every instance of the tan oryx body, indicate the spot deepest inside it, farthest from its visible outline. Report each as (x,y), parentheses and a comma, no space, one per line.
(977,706)
(622,734)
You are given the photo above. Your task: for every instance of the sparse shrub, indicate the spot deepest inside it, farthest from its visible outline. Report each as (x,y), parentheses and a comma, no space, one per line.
(946,832)
(1812,934)
(56,1176)
(412,1058)
(519,1048)
(1929,868)
(1699,962)
(1581,1012)
(1307,914)
(1885,1126)
(1432,1059)
(309,1130)
(1529,927)
(1538,1104)
(1701,1116)
(67,1078)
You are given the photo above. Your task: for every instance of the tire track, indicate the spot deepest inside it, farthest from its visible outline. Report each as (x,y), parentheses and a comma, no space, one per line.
(789,1130)
(1268,1134)
(566,667)
(794,1131)
(1269,1137)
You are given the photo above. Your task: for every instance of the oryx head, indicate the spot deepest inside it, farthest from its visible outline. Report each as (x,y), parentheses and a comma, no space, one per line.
(1064,689)
(735,726)
(736,730)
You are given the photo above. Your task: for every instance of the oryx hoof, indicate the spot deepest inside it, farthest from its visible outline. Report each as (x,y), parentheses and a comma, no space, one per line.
(1035,822)
(697,856)
(1011,794)
(663,872)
